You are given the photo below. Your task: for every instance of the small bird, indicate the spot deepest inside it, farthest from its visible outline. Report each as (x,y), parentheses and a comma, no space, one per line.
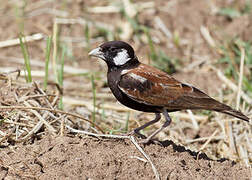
(145,88)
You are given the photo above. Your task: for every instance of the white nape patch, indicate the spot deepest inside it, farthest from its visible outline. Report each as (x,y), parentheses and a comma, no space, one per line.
(137,77)
(121,58)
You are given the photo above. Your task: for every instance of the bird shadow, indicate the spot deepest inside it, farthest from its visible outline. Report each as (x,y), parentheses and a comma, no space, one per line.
(195,155)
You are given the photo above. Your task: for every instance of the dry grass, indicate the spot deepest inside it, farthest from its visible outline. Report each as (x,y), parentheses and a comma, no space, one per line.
(37,113)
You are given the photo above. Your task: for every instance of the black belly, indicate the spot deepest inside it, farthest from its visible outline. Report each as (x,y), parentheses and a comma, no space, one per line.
(125,100)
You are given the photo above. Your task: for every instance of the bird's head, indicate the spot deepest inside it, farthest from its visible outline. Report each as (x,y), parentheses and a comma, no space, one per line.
(115,53)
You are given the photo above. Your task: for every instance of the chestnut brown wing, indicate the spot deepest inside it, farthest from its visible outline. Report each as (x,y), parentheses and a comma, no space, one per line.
(151,86)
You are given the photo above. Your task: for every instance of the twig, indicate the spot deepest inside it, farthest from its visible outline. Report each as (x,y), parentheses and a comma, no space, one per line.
(240,78)
(40,63)
(244,155)
(77,102)
(129,8)
(33,131)
(205,33)
(52,110)
(2,133)
(7,135)
(17,123)
(36,5)
(51,11)
(146,156)
(163,27)
(140,159)
(238,99)
(203,139)
(208,140)
(35,73)
(88,94)
(231,85)
(34,97)
(43,93)
(97,135)
(120,137)
(62,125)
(13,42)
(194,122)
(187,116)
(144,5)
(194,64)
(50,128)
(83,22)
(104,9)
(115,9)
(231,138)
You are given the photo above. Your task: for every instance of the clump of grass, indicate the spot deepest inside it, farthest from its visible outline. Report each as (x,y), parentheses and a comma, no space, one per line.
(160,59)
(26,59)
(231,12)
(231,57)
(247,8)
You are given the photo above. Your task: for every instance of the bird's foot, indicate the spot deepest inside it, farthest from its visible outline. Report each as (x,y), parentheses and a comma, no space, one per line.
(132,133)
(149,141)
(144,139)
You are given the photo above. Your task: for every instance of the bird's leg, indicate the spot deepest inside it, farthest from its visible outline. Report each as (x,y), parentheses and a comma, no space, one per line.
(167,122)
(136,131)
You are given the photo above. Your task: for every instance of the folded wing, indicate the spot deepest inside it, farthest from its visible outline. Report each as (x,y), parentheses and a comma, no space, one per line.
(154,87)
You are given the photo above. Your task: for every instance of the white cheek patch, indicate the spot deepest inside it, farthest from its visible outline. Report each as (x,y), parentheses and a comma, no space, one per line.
(138,78)
(121,58)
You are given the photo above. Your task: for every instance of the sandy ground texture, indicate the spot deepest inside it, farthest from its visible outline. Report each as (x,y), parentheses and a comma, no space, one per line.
(93,158)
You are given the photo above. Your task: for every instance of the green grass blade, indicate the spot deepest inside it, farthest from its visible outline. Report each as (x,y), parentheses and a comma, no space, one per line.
(94,98)
(87,36)
(127,122)
(61,65)
(60,73)
(26,59)
(48,52)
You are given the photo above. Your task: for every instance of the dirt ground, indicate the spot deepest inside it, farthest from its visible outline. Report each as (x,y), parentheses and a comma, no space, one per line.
(72,156)
(93,158)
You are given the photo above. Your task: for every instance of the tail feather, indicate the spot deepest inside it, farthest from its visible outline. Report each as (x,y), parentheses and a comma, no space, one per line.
(235,113)
(212,104)
(199,100)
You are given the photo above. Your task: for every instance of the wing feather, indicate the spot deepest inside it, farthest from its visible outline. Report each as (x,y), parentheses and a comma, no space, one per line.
(148,85)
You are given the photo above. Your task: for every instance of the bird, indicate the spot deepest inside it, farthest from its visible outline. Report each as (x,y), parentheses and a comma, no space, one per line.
(145,88)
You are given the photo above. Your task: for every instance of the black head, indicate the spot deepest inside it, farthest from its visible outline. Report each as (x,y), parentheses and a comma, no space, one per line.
(115,53)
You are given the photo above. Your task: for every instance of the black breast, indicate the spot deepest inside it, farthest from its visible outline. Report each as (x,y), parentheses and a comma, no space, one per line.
(113,80)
